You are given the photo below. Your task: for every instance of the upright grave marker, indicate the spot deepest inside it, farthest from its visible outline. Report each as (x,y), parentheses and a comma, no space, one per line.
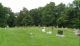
(77,32)
(43,29)
(60,33)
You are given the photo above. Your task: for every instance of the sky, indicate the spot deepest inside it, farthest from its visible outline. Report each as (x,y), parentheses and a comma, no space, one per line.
(17,5)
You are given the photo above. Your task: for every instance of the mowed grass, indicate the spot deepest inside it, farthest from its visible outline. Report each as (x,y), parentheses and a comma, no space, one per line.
(20,36)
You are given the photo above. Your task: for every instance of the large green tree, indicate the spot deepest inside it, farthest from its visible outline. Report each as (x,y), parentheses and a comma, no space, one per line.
(21,15)
(4,12)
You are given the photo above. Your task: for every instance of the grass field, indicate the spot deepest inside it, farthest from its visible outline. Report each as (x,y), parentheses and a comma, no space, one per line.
(20,36)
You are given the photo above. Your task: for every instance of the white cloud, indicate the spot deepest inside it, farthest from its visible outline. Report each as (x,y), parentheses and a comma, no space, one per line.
(17,5)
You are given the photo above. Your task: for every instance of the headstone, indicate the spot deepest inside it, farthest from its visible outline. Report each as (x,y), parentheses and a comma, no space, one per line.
(77,32)
(49,32)
(43,29)
(6,27)
(60,33)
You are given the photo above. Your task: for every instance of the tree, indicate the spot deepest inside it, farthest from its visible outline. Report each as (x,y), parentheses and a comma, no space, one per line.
(76,4)
(4,11)
(48,14)
(62,20)
(34,13)
(11,21)
(22,14)
(59,12)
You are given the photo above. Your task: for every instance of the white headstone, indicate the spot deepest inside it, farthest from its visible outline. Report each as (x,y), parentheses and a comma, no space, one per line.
(75,30)
(43,29)
(49,32)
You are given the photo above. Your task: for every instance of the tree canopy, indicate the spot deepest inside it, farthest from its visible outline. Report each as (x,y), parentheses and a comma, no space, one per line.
(50,15)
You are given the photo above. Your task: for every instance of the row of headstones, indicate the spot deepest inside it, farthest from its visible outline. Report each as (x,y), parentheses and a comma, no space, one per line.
(76,31)
(43,30)
(60,32)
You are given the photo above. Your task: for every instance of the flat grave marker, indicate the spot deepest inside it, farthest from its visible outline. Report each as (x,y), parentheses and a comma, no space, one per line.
(49,32)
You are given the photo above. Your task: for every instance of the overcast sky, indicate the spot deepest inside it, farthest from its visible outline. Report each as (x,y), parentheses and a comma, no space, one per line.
(17,5)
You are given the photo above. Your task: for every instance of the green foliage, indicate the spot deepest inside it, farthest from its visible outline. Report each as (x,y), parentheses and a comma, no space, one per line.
(49,15)
(4,11)
(54,15)
(20,18)
(11,21)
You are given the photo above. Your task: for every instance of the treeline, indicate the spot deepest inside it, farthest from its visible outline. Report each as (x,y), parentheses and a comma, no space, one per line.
(50,15)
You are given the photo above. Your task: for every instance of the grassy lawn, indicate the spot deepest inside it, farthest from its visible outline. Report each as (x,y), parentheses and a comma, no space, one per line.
(20,36)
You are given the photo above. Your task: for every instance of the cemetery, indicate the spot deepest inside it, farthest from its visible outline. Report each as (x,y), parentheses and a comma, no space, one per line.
(34,36)
(39,22)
